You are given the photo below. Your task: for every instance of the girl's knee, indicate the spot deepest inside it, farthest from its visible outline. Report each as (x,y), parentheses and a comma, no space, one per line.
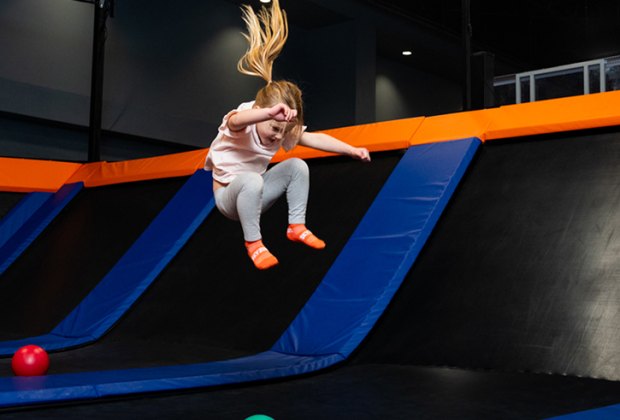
(298,166)
(251,181)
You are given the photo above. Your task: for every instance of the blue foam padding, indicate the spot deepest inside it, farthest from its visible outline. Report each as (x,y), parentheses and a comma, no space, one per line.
(134,272)
(36,389)
(337,317)
(43,209)
(20,214)
(373,264)
(611,412)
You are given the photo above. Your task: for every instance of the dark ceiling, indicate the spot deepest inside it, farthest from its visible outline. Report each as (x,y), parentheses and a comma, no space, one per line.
(527,34)
(522,35)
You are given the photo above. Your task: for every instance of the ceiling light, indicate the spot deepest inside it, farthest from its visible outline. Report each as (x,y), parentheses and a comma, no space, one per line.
(265,1)
(407,52)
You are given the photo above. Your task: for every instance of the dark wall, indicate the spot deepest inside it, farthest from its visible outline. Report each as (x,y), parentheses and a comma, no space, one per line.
(45,63)
(169,70)
(170,75)
(41,139)
(326,75)
(403,92)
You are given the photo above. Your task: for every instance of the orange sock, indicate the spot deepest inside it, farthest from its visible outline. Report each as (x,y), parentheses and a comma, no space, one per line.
(299,233)
(261,257)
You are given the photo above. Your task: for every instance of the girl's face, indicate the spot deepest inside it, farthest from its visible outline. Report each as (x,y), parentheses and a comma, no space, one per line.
(271,131)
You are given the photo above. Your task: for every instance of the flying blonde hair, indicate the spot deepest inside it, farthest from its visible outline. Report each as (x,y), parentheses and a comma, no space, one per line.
(267,34)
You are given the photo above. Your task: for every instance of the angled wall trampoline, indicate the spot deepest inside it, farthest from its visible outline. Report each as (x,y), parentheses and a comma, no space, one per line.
(476,247)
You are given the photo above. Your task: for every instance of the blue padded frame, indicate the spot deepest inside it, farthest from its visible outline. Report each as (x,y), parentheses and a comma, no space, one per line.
(133,273)
(22,226)
(610,412)
(373,264)
(336,318)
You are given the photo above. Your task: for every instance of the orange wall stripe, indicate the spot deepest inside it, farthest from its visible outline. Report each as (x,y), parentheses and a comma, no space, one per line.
(454,126)
(84,172)
(106,173)
(381,136)
(26,175)
(556,115)
(565,114)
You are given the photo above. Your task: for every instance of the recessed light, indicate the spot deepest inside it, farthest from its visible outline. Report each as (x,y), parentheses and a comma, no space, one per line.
(407,52)
(265,1)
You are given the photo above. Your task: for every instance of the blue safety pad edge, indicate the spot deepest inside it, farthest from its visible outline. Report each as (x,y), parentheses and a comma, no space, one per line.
(18,391)
(383,248)
(133,273)
(20,214)
(604,413)
(36,223)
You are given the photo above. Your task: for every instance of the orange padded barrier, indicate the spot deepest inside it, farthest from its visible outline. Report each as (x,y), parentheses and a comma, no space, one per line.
(376,137)
(454,126)
(565,114)
(27,175)
(556,115)
(381,136)
(105,173)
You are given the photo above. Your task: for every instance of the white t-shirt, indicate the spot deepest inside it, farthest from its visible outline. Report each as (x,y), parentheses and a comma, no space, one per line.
(236,152)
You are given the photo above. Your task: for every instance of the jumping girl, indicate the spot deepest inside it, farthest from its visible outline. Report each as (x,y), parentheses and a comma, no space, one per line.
(250,135)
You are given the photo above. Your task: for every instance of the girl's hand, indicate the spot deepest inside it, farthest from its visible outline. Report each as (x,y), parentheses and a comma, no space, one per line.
(361,153)
(282,112)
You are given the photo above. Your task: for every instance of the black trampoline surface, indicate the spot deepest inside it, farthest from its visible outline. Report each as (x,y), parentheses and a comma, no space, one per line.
(514,297)
(8,200)
(210,303)
(75,252)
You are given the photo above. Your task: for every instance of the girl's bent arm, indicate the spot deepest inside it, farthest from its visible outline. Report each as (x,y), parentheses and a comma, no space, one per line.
(327,143)
(280,112)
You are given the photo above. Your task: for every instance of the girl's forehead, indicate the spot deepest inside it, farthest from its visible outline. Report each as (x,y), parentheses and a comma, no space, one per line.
(283,124)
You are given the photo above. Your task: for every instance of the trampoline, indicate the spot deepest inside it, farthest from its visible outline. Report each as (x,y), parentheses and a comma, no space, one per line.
(508,310)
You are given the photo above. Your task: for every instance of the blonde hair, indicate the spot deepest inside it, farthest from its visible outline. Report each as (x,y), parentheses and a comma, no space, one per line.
(267,34)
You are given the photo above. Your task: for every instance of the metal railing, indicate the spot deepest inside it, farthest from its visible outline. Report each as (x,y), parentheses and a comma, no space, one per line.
(569,80)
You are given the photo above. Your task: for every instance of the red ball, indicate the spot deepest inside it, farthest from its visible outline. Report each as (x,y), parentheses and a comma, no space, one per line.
(30,360)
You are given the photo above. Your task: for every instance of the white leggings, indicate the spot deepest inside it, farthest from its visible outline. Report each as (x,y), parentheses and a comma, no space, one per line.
(250,194)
